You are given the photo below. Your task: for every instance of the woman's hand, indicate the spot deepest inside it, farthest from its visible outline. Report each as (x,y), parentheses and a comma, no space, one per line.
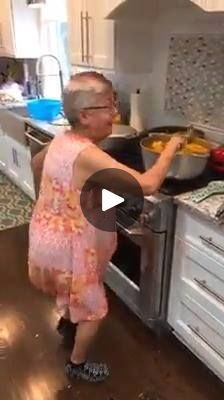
(175,143)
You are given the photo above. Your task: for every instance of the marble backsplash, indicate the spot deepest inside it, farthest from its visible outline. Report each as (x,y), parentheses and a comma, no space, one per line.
(195,78)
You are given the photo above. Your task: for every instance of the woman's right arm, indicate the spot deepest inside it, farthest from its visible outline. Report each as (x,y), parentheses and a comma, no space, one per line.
(93,160)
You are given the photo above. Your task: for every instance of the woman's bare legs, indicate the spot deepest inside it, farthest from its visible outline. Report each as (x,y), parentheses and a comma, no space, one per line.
(85,335)
(66,314)
(67,329)
(79,367)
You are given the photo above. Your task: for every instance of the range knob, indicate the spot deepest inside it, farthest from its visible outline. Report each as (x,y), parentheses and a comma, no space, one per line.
(148,218)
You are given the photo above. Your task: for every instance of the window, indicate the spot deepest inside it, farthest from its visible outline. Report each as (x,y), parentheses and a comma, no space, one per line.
(54,40)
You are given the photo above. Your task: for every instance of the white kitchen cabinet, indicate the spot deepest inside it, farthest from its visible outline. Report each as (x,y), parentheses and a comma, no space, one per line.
(4,152)
(19,29)
(210,5)
(19,167)
(196,300)
(91,34)
(75,13)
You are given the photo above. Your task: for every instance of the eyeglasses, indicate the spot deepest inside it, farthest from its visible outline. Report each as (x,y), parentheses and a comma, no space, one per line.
(112,107)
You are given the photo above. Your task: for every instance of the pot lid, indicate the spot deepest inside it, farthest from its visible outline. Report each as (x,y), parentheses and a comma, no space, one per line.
(119,130)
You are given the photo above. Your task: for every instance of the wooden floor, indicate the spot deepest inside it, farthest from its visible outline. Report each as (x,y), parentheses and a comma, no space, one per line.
(32,358)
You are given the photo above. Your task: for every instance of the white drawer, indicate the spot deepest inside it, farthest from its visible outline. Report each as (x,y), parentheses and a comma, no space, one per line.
(206,311)
(197,278)
(201,339)
(203,271)
(207,236)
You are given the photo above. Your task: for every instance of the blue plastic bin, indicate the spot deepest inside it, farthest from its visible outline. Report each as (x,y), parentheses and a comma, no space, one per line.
(44,109)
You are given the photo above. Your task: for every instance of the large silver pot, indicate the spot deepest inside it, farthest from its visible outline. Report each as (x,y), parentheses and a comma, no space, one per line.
(183,166)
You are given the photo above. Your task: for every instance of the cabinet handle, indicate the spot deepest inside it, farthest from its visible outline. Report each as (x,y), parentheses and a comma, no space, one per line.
(197,332)
(209,242)
(82,35)
(88,18)
(136,231)
(203,285)
(1,36)
(34,139)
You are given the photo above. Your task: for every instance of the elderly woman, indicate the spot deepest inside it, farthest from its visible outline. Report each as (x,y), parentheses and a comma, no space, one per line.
(67,255)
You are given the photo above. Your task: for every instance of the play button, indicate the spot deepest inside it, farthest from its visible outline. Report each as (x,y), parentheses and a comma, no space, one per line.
(110,200)
(109,195)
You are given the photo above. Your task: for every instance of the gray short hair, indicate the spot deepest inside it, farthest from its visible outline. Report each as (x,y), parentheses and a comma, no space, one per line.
(83,90)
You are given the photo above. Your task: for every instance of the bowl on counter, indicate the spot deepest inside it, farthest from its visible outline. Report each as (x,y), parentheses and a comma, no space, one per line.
(44,109)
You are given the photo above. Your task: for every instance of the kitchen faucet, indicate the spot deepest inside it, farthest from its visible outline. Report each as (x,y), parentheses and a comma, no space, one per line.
(38,74)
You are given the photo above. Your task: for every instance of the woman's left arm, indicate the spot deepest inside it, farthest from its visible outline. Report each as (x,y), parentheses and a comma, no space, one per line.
(37,164)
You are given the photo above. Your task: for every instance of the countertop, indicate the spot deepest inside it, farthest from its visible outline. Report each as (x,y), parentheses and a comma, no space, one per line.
(206,209)
(12,105)
(45,127)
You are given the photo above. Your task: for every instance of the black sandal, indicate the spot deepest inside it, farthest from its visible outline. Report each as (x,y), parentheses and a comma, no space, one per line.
(88,371)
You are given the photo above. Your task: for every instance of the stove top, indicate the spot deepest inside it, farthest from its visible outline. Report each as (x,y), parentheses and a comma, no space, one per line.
(173,187)
(170,187)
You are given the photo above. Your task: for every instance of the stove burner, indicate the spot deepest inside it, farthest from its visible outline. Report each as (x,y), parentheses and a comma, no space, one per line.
(174,187)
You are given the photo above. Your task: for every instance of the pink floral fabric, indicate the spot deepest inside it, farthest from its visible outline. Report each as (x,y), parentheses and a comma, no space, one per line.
(68,255)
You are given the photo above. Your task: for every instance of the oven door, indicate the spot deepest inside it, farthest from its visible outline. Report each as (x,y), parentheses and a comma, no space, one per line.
(124,272)
(136,271)
(37,141)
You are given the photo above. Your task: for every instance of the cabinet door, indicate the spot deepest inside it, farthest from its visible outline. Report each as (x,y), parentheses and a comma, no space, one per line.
(4,152)
(100,33)
(76,12)
(6,29)
(14,165)
(26,27)
(19,167)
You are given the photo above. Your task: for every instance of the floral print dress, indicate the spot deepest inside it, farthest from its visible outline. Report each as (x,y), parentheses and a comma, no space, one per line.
(68,255)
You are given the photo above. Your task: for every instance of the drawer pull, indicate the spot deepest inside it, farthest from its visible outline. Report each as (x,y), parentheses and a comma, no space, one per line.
(197,332)
(209,242)
(203,284)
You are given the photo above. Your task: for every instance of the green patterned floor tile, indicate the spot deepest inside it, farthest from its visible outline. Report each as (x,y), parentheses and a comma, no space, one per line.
(15,206)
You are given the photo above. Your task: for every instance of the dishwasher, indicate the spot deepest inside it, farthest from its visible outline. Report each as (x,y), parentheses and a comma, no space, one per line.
(36,140)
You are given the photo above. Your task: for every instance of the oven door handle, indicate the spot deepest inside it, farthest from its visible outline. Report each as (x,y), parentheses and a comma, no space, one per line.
(34,139)
(136,231)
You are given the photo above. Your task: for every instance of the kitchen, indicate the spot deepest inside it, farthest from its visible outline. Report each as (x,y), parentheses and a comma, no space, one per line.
(193,304)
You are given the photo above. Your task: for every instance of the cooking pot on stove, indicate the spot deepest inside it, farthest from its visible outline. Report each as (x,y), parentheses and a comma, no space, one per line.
(184,166)
(123,138)
(217,159)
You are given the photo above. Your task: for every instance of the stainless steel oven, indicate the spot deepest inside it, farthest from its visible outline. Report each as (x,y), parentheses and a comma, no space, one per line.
(139,272)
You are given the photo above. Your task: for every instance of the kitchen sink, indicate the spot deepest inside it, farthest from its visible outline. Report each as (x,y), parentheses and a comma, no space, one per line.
(19,110)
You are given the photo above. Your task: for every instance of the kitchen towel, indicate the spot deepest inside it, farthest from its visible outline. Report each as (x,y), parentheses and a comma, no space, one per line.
(136,111)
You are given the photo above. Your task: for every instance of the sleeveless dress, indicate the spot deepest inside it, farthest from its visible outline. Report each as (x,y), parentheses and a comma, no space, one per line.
(68,255)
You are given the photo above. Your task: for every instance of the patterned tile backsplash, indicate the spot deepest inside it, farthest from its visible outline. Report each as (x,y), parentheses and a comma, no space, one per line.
(195,78)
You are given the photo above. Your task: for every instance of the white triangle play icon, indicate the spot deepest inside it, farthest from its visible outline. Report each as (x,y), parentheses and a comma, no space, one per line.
(110,200)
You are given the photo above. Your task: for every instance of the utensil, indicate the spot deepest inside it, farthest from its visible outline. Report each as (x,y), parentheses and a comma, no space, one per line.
(181,130)
(190,135)
(183,166)
(213,188)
